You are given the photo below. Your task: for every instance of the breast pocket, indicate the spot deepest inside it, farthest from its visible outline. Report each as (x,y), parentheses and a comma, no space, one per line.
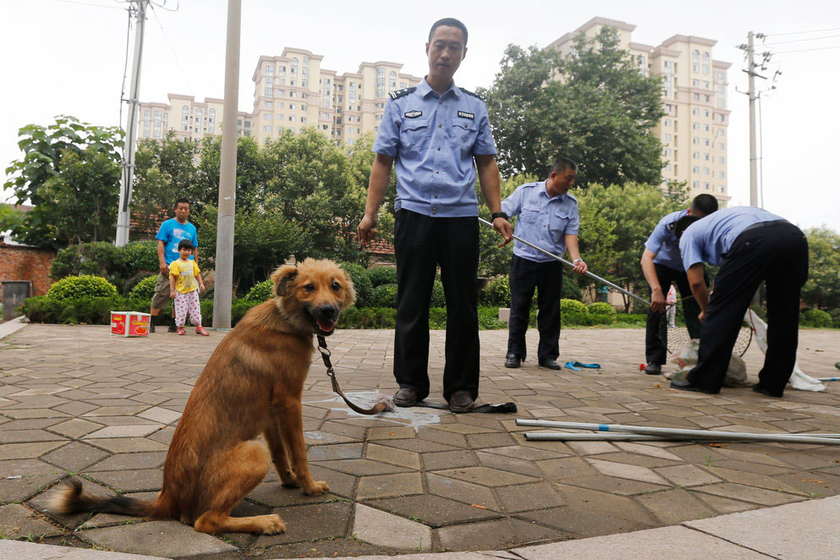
(414,134)
(464,134)
(559,221)
(529,214)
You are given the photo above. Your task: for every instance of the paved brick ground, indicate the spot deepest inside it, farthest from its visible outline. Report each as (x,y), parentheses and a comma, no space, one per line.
(73,400)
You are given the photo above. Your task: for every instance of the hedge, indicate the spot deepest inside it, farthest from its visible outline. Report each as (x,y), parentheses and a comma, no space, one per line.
(361,283)
(87,286)
(144,289)
(601,313)
(261,291)
(117,264)
(497,292)
(815,318)
(573,312)
(383,275)
(385,295)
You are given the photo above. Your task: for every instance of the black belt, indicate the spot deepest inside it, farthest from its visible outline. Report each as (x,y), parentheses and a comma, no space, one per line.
(767,224)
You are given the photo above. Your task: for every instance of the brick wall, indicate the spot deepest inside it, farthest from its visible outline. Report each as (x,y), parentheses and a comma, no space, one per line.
(18,262)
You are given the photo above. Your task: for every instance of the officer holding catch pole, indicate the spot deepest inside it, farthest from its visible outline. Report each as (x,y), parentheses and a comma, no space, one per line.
(549,218)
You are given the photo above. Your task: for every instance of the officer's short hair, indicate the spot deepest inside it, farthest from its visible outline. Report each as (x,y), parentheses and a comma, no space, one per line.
(683,223)
(705,204)
(561,165)
(450,22)
(180,200)
(185,244)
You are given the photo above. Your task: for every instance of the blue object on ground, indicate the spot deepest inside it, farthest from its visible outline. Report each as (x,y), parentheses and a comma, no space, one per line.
(578,365)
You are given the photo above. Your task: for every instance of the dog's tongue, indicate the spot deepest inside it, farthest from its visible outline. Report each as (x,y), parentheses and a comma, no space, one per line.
(326,325)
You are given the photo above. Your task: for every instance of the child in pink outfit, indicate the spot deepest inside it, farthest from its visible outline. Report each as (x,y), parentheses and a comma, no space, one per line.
(185,283)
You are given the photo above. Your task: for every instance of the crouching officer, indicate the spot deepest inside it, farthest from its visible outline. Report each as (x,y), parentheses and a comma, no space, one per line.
(548,218)
(750,245)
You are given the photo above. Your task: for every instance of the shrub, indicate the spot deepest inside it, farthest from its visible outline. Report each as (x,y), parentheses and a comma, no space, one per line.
(144,289)
(438,295)
(571,290)
(816,318)
(573,313)
(385,295)
(87,286)
(635,319)
(361,283)
(261,291)
(368,318)
(133,281)
(601,313)
(100,258)
(141,256)
(488,319)
(382,275)
(497,292)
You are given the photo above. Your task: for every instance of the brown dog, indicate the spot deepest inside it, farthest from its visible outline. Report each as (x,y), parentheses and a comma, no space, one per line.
(251,385)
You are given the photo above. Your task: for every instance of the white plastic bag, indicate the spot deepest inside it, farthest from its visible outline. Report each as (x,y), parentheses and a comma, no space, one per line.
(686,359)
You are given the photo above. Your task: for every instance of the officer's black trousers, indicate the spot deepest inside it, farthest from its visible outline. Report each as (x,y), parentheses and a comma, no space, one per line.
(547,278)
(422,243)
(776,252)
(656,340)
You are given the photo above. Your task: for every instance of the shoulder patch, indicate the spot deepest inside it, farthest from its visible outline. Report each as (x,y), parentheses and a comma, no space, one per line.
(401,92)
(468,92)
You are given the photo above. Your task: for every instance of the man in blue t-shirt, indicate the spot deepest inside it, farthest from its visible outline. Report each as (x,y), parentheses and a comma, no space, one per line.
(171,232)
(751,245)
(662,266)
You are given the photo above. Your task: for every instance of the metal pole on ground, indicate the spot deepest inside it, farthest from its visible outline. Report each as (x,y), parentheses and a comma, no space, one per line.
(223,293)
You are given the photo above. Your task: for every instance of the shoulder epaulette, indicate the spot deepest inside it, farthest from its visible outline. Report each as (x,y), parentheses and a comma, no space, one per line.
(468,92)
(401,92)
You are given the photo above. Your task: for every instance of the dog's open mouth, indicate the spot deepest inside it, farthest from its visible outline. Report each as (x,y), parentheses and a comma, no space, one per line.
(326,326)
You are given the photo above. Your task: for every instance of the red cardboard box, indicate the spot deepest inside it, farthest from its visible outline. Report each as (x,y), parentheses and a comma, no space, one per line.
(130,323)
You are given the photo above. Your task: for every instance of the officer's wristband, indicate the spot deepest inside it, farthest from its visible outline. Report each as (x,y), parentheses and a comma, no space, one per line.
(495,215)
(577,261)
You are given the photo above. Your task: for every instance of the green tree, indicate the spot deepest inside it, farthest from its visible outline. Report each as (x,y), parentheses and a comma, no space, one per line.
(37,178)
(593,106)
(822,290)
(615,222)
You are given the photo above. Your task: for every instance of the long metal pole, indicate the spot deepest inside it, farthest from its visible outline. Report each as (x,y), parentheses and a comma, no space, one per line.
(829,439)
(223,293)
(591,436)
(567,263)
(127,178)
(752,98)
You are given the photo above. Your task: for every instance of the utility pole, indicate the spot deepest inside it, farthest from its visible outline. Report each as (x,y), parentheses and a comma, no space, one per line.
(752,95)
(223,293)
(127,178)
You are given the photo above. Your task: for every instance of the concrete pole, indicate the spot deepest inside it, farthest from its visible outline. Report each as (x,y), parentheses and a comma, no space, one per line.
(127,177)
(752,98)
(223,293)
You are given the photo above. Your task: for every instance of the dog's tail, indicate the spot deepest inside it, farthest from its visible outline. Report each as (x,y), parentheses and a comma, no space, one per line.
(69,498)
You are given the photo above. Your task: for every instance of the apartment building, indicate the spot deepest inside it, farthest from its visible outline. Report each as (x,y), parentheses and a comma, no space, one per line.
(693,131)
(291,92)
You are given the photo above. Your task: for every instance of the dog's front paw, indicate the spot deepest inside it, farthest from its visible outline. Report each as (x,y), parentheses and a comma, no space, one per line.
(289,480)
(317,488)
(273,525)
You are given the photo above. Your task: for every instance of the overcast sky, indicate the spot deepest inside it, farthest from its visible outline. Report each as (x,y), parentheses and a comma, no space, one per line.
(67,57)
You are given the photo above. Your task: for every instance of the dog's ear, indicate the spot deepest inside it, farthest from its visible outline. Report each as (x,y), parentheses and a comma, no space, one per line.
(282,276)
(349,290)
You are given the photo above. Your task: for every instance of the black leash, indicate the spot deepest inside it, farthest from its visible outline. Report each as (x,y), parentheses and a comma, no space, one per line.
(384,403)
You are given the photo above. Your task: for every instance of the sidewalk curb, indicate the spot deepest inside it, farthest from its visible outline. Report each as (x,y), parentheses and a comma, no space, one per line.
(12,326)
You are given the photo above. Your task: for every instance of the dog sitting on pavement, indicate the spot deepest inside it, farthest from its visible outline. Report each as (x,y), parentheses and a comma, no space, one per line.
(252,385)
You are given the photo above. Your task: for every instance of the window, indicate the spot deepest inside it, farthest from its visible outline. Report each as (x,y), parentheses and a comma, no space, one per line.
(695,111)
(668,66)
(303,107)
(695,61)
(380,83)
(292,106)
(266,129)
(325,95)
(269,104)
(695,185)
(720,174)
(695,155)
(303,119)
(268,92)
(281,93)
(269,70)
(706,186)
(281,81)
(291,118)
(706,113)
(305,72)
(212,122)
(294,72)
(668,137)
(198,115)
(666,152)
(281,70)
(292,94)
(382,106)
(705,63)
(720,160)
(720,132)
(696,97)
(720,189)
(351,96)
(695,126)
(695,169)
(280,104)
(705,171)
(706,128)
(269,82)
(695,140)
(706,156)
(706,142)
(721,146)
(668,166)
(392,82)
(279,129)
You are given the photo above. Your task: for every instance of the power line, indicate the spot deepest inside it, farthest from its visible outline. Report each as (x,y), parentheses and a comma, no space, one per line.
(171,49)
(125,65)
(803,32)
(88,4)
(800,40)
(808,50)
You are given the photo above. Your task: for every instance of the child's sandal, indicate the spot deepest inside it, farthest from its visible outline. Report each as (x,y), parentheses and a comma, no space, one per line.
(181,331)
(201,331)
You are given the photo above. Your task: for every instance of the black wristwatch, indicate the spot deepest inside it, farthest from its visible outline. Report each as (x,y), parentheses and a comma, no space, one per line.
(495,215)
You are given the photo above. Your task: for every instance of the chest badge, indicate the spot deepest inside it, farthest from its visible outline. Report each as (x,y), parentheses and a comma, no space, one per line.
(413,114)
(465,115)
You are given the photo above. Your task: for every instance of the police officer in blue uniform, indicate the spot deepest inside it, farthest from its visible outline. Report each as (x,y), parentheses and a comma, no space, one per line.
(662,266)
(751,245)
(548,218)
(436,135)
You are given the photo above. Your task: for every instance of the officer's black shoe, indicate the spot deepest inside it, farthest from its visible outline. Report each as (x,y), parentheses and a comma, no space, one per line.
(172,326)
(152,325)
(762,390)
(689,386)
(513,361)
(837,365)
(461,401)
(550,364)
(653,369)
(406,397)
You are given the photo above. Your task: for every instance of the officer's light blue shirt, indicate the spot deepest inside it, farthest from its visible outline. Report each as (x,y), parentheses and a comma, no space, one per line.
(709,239)
(664,243)
(171,232)
(433,139)
(543,220)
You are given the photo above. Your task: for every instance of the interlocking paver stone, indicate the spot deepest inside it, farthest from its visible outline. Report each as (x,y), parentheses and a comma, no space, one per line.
(17,521)
(456,475)
(393,531)
(157,538)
